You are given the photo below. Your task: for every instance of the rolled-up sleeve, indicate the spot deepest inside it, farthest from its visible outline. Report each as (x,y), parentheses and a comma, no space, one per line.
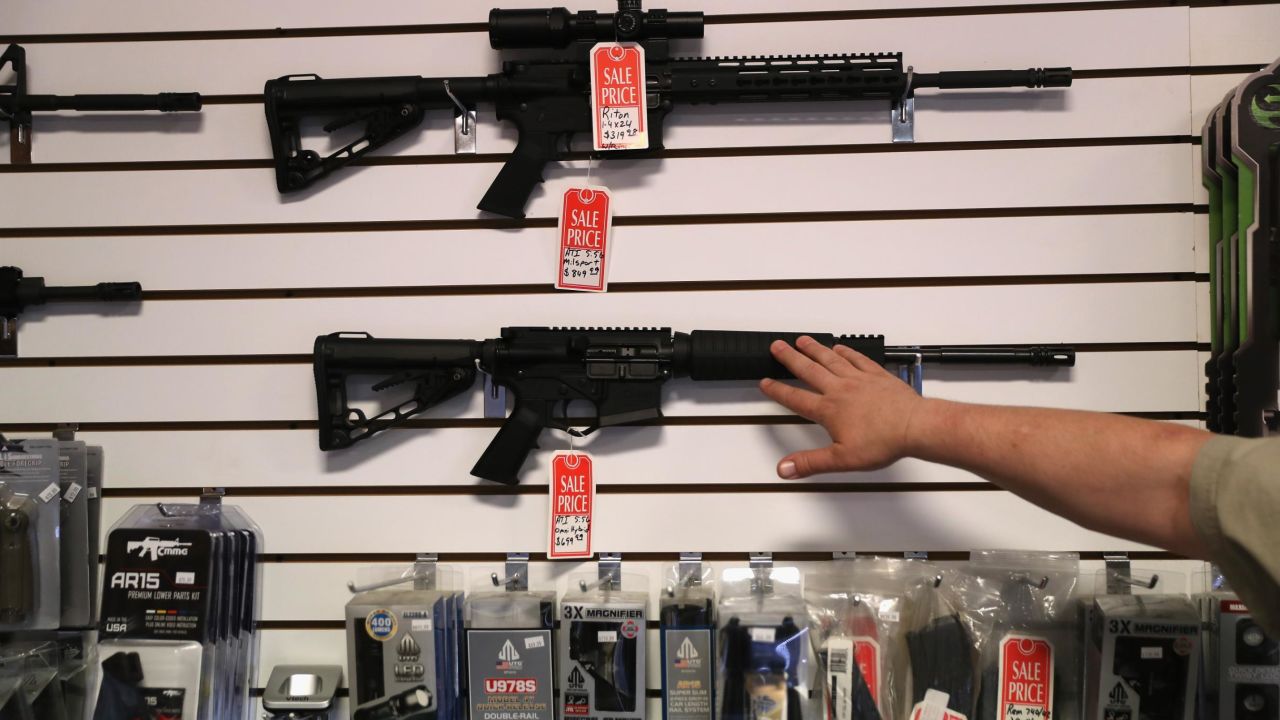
(1235,506)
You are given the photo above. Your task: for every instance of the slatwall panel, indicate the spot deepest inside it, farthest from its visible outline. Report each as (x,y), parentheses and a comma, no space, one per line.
(1063,216)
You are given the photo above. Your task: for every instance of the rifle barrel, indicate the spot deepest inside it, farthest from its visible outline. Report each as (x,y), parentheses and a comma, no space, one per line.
(1038,355)
(164,102)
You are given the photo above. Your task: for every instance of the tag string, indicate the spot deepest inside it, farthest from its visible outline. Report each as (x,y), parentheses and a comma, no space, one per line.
(591,161)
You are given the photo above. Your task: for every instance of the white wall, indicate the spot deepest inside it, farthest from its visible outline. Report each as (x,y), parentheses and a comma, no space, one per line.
(1057,217)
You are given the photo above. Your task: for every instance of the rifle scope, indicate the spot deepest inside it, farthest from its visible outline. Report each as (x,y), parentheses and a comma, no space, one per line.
(557,28)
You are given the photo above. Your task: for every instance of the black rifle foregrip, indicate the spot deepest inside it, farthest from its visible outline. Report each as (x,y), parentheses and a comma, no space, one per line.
(735,355)
(1031,78)
(164,102)
(502,459)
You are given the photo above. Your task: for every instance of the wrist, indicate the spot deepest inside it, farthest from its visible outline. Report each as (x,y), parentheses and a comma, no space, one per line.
(925,423)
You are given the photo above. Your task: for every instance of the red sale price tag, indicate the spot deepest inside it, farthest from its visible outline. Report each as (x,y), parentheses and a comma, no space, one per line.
(573,500)
(1026,678)
(585,221)
(866,653)
(619,110)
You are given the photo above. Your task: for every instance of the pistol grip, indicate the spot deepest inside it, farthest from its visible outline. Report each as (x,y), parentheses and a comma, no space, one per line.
(510,191)
(502,460)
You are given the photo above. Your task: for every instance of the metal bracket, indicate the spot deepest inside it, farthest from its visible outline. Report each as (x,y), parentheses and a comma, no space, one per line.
(916,555)
(902,113)
(464,125)
(212,496)
(1120,575)
(8,336)
(609,570)
(65,431)
(913,373)
(517,571)
(495,398)
(843,555)
(761,564)
(424,571)
(689,570)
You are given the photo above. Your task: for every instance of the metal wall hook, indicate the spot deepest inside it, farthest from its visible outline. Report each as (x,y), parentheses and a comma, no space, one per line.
(688,572)
(1148,584)
(1120,577)
(517,573)
(761,564)
(422,575)
(609,572)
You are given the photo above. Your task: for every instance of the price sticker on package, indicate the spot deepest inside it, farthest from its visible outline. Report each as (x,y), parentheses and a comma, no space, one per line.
(619,109)
(573,500)
(1026,678)
(585,219)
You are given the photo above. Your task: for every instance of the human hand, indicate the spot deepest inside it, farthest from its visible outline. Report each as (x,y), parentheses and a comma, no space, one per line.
(866,410)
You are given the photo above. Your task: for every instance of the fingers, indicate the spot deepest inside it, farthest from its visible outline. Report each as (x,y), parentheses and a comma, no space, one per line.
(857,359)
(801,366)
(809,462)
(797,400)
(824,356)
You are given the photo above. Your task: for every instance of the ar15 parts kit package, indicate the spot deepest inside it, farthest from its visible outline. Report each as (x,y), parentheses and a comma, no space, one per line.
(179,611)
(403,646)
(602,647)
(857,614)
(686,616)
(30,550)
(510,651)
(1030,659)
(765,669)
(1142,657)
(1243,670)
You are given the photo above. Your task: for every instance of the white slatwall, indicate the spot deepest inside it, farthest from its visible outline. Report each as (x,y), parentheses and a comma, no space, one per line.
(1007,234)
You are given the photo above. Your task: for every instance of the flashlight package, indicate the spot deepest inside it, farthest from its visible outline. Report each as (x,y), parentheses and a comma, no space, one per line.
(1242,662)
(404,656)
(765,668)
(30,549)
(180,605)
(1030,660)
(686,619)
(602,647)
(942,645)
(510,652)
(1142,653)
(857,613)
(46,676)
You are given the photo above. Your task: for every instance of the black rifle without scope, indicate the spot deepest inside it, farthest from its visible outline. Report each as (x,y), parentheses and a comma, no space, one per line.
(16,105)
(618,372)
(548,98)
(17,293)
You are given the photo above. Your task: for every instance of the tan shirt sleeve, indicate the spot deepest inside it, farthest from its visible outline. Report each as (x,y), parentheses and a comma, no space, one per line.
(1235,506)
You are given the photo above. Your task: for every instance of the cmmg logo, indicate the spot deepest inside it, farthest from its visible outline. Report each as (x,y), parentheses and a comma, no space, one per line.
(154,548)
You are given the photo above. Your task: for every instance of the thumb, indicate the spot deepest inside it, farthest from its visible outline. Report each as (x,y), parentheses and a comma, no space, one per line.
(809,462)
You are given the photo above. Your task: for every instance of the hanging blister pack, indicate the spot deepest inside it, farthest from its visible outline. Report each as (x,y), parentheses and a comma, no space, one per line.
(857,614)
(30,521)
(1142,649)
(943,647)
(1241,671)
(602,644)
(179,611)
(509,646)
(73,482)
(766,669)
(687,627)
(95,470)
(402,634)
(1030,661)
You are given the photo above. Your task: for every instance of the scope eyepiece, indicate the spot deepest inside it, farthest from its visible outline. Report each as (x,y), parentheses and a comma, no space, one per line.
(557,27)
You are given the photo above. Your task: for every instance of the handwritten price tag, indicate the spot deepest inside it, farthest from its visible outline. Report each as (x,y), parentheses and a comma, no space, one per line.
(573,500)
(585,221)
(619,109)
(1026,678)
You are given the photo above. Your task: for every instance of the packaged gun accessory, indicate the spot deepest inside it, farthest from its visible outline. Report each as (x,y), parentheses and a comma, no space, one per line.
(74,541)
(765,665)
(302,692)
(95,471)
(30,521)
(943,646)
(1142,653)
(398,661)
(509,646)
(1243,672)
(602,645)
(686,616)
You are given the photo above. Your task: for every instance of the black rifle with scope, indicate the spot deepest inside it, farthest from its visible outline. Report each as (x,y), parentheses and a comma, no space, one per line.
(618,372)
(17,106)
(548,98)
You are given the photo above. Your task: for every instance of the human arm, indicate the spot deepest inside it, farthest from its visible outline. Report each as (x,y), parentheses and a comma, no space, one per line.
(1117,475)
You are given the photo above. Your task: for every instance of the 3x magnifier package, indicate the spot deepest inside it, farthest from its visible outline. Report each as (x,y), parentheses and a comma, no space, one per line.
(1142,648)
(765,671)
(602,646)
(510,650)
(404,640)
(180,604)
(687,641)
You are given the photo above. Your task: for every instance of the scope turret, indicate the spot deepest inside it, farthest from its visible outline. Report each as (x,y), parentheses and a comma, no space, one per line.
(557,27)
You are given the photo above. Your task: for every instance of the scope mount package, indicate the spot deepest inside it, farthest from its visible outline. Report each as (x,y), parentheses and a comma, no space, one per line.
(510,649)
(602,647)
(686,630)
(402,644)
(1142,654)
(180,605)
(1242,672)
(30,524)
(857,618)
(765,667)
